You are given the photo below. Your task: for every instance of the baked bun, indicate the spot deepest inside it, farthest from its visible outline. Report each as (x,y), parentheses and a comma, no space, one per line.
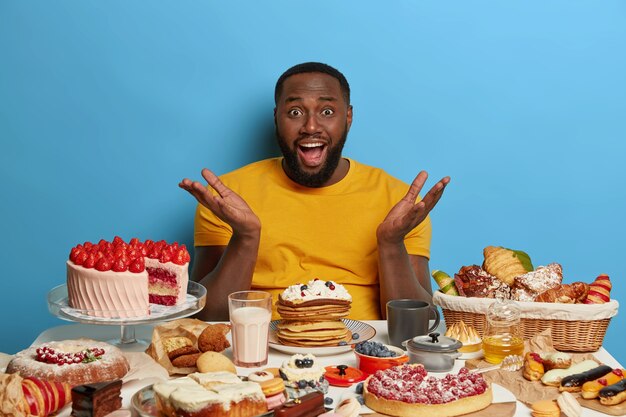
(506,264)
(215,362)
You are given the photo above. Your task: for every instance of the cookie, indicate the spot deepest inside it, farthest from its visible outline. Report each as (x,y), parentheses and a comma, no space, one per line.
(214,362)
(186,361)
(213,338)
(185,350)
(172,343)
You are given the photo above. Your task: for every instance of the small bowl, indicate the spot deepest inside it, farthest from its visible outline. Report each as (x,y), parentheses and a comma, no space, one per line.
(371,364)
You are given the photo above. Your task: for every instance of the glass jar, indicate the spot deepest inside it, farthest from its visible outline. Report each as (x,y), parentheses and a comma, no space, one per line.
(502,335)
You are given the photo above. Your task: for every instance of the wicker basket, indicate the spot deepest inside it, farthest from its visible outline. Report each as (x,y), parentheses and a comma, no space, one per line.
(574,327)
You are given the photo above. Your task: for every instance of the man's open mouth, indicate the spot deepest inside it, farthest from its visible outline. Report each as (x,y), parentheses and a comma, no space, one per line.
(312,154)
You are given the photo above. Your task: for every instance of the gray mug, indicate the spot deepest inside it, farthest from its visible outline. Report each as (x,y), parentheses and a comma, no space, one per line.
(409,318)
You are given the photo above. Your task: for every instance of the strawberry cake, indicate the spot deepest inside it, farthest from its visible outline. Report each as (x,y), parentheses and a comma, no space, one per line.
(119,280)
(407,390)
(74,362)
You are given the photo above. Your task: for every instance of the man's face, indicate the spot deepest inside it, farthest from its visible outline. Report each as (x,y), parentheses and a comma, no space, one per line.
(312,122)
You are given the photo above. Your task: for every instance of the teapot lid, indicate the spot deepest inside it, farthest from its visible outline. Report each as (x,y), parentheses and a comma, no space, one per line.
(434,342)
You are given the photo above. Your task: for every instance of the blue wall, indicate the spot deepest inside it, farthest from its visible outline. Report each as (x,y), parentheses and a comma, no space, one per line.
(105,106)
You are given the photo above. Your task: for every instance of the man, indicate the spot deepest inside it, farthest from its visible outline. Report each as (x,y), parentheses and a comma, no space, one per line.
(312,213)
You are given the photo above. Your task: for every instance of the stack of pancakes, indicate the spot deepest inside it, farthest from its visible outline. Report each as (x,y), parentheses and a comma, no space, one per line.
(313,318)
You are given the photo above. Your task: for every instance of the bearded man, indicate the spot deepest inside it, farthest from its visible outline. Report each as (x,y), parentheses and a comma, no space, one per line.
(312,213)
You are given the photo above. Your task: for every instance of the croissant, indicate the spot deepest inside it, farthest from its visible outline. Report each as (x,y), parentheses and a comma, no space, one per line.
(565,293)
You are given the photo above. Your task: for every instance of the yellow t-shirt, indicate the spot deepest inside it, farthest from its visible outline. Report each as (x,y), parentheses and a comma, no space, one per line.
(327,233)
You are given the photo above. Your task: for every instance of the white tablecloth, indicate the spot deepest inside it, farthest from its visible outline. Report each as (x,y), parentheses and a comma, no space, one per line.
(144,333)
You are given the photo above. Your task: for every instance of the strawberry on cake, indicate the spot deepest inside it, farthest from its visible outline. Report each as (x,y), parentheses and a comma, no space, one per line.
(118,279)
(407,391)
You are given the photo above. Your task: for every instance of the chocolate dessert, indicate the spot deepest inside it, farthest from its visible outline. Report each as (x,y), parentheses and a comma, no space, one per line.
(96,400)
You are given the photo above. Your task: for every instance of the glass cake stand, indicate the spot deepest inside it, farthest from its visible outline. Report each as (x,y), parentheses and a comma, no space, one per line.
(58,305)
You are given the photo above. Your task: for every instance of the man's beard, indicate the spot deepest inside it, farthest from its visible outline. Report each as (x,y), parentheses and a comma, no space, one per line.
(318,179)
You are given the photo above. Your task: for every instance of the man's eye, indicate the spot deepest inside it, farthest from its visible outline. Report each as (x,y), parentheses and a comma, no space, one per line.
(294,112)
(328,112)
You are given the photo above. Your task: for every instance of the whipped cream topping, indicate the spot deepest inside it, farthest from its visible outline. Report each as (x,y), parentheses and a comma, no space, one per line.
(293,373)
(316,289)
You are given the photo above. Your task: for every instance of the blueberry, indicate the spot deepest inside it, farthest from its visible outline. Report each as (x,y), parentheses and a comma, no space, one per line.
(342,343)
(328,400)
(355,336)
(312,383)
(282,375)
(302,384)
(307,363)
(299,363)
(359,388)
(360,400)
(304,287)
(328,283)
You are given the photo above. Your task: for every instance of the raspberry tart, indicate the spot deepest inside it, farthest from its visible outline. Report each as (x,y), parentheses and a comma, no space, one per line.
(407,391)
(75,362)
(119,280)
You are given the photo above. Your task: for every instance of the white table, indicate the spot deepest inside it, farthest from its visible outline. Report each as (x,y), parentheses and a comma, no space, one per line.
(275,359)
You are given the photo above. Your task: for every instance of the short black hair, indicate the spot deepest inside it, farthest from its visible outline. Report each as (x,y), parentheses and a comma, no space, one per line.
(307,67)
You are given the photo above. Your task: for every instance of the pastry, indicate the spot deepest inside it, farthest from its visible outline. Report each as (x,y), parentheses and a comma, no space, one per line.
(215,362)
(528,286)
(553,377)
(533,368)
(574,383)
(506,264)
(565,293)
(32,396)
(445,282)
(473,281)
(613,394)
(218,394)
(350,407)
(309,405)
(591,389)
(408,391)
(118,279)
(213,338)
(599,290)
(556,360)
(273,388)
(185,350)
(96,400)
(568,405)
(311,314)
(303,375)
(545,408)
(467,335)
(76,362)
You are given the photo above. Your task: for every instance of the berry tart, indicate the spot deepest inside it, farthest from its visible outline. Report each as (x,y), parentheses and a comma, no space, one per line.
(118,279)
(75,362)
(407,391)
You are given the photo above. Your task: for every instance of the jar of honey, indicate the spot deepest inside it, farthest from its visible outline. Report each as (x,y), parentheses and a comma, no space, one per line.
(502,335)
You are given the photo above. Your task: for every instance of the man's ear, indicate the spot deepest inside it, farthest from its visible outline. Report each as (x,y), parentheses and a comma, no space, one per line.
(349,116)
(274,116)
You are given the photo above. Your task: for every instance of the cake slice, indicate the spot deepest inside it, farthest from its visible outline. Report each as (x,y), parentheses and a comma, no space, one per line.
(96,400)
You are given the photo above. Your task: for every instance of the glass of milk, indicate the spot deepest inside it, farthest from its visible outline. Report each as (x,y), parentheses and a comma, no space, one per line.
(250,315)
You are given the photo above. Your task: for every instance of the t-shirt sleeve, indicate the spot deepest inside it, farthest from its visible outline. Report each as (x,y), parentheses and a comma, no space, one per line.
(417,241)
(209,230)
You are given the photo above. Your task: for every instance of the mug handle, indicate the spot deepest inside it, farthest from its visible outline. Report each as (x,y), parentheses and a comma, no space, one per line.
(437,319)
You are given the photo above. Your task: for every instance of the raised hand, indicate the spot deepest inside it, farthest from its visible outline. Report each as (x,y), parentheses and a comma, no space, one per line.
(226,204)
(407,214)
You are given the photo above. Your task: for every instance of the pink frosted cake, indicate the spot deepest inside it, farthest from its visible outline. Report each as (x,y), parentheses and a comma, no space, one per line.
(119,279)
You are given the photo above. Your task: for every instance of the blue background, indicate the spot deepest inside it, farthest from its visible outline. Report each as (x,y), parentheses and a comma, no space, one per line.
(105,106)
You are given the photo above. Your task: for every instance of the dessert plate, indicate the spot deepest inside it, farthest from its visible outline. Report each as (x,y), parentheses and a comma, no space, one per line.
(364,330)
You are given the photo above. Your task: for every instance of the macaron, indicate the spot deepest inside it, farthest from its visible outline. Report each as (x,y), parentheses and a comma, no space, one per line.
(568,404)
(275,400)
(272,387)
(545,408)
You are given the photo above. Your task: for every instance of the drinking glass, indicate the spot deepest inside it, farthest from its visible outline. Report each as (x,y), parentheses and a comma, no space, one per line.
(250,315)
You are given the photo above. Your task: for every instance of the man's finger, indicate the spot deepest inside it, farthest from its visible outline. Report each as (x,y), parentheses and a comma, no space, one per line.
(416,186)
(434,194)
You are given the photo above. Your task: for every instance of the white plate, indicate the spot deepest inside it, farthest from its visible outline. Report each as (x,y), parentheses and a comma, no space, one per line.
(364,330)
